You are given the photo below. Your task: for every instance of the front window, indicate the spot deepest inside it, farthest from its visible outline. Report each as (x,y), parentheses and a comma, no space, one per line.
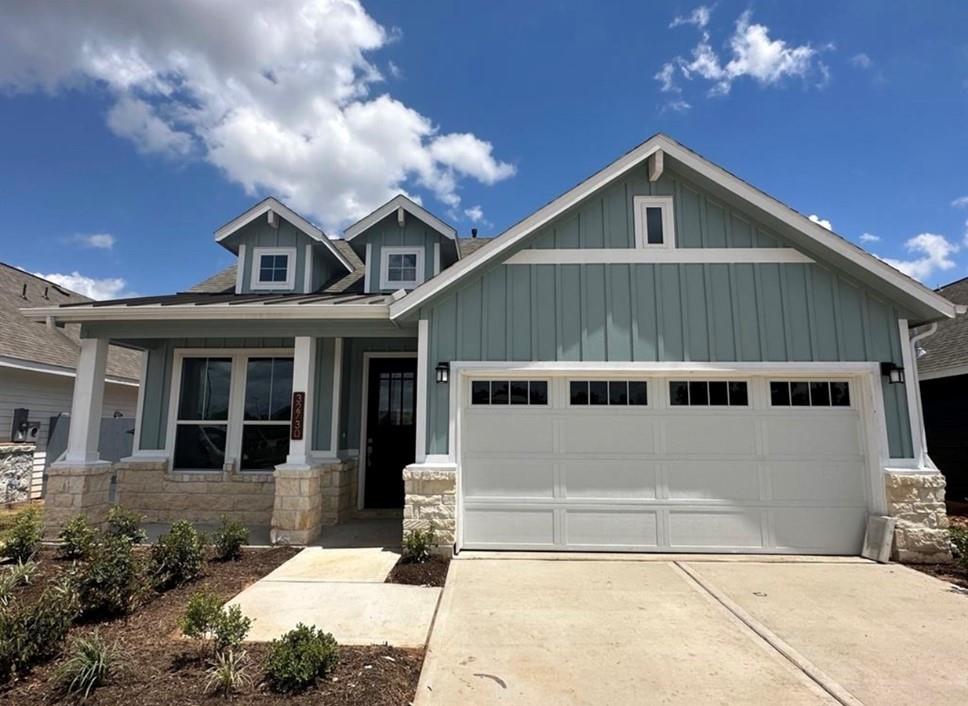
(401,267)
(273,268)
(201,429)
(267,410)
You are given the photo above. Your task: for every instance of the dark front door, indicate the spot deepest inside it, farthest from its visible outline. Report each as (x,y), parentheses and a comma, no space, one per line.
(391,409)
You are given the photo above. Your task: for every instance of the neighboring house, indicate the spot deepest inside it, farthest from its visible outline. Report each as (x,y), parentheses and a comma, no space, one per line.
(37,363)
(661,359)
(943,370)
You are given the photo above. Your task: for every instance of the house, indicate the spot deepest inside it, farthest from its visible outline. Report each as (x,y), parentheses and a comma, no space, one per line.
(663,358)
(37,369)
(943,371)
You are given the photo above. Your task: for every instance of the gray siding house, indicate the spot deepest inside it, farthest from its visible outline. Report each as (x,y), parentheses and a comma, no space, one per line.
(664,358)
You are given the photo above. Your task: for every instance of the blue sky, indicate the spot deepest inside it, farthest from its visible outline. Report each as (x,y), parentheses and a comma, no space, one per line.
(130,131)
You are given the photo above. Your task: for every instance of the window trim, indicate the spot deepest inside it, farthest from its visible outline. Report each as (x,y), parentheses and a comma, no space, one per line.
(639,204)
(257,253)
(385,253)
(234,423)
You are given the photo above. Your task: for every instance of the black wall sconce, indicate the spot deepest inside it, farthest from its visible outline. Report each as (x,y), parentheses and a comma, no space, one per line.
(443,372)
(893,372)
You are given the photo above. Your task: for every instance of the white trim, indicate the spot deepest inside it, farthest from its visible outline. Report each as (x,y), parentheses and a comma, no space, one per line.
(402,202)
(140,408)
(656,165)
(423,362)
(87,403)
(936,374)
(436,258)
(240,269)
(308,269)
(35,367)
(337,380)
(771,206)
(364,402)
(257,254)
(367,265)
(273,204)
(385,252)
(208,312)
(303,380)
(654,253)
(665,205)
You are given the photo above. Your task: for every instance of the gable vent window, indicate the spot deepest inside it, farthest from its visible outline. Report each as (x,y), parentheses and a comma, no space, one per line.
(823,393)
(708,393)
(614,393)
(401,267)
(273,268)
(654,222)
(501,392)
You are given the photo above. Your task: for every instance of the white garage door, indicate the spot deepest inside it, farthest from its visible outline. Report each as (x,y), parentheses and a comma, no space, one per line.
(663,464)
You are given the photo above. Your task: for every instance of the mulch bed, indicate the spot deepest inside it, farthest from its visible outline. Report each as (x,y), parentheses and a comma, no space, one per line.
(158,669)
(430,573)
(952,573)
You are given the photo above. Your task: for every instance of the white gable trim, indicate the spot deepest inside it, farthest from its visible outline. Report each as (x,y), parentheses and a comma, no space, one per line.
(631,159)
(400,202)
(276,206)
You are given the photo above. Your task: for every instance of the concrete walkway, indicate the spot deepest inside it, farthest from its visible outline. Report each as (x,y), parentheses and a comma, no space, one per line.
(627,631)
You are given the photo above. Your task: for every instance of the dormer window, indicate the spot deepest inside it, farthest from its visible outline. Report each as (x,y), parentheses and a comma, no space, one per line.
(654,222)
(273,268)
(401,267)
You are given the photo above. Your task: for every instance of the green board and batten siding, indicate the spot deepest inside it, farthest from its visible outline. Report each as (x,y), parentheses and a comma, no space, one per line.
(661,312)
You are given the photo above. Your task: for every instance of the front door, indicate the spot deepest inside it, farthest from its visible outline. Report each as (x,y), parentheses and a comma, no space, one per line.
(391,410)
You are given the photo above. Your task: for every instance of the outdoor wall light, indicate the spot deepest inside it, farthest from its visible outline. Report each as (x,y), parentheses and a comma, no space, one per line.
(894,373)
(443,372)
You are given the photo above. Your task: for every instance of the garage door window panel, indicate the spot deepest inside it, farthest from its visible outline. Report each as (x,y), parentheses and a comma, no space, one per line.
(502,392)
(708,393)
(816,393)
(610,393)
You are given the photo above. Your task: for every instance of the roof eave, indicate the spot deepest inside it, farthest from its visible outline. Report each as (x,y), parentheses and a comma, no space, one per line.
(408,205)
(211,312)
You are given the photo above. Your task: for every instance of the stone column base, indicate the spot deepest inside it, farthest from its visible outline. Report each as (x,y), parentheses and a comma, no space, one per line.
(309,497)
(430,500)
(76,489)
(917,501)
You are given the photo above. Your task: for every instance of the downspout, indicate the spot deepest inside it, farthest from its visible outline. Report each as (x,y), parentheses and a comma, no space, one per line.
(924,460)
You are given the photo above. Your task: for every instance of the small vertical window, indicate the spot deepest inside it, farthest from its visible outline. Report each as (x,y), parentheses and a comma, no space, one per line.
(653,225)
(654,222)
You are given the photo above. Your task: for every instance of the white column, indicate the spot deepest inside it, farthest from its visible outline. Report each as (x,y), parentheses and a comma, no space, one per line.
(85,426)
(423,351)
(303,380)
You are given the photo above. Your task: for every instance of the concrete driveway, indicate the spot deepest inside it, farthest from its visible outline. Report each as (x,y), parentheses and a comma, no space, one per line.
(624,630)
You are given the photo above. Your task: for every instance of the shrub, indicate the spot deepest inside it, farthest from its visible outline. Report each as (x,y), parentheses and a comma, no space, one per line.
(13,576)
(229,672)
(959,544)
(24,536)
(299,658)
(77,538)
(206,618)
(34,633)
(228,540)
(91,663)
(126,524)
(418,545)
(111,581)
(177,557)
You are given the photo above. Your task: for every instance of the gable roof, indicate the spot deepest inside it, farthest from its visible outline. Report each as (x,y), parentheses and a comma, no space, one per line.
(946,350)
(35,346)
(411,207)
(929,305)
(273,204)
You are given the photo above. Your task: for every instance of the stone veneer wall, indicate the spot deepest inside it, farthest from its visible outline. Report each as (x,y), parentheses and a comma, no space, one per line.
(310,498)
(149,488)
(917,501)
(16,468)
(430,500)
(76,490)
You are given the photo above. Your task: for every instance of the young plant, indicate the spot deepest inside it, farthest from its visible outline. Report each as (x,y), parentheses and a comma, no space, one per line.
(418,545)
(111,581)
(126,524)
(959,545)
(34,633)
(23,538)
(177,557)
(228,540)
(208,620)
(228,673)
(77,538)
(13,576)
(91,663)
(299,658)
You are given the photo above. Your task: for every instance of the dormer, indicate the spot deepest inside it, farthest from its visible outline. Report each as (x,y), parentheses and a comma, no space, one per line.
(402,245)
(280,251)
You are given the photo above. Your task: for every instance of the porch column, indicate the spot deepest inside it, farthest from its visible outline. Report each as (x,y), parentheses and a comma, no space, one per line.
(423,352)
(303,380)
(80,484)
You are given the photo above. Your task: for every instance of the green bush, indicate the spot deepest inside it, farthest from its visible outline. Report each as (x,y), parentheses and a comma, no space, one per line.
(418,545)
(229,673)
(23,538)
(13,576)
(91,663)
(207,619)
(299,658)
(178,556)
(111,581)
(77,538)
(126,524)
(31,634)
(959,545)
(228,540)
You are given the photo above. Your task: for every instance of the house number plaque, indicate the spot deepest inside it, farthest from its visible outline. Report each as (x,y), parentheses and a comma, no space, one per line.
(298,409)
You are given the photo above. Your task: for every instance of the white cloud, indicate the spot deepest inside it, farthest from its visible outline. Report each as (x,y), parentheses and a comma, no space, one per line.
(960,202)
(679,106)
(474,213)
(821,221)
(869,238)
(395,70)
(754,54)
(282,97)
(108,288)
(935,253)
(100,241)
(861,61)
(698,17)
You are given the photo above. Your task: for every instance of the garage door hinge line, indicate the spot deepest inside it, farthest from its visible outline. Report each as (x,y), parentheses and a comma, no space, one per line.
(836,691)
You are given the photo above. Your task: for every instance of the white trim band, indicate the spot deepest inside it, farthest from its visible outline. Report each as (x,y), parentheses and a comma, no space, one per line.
(589,256)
